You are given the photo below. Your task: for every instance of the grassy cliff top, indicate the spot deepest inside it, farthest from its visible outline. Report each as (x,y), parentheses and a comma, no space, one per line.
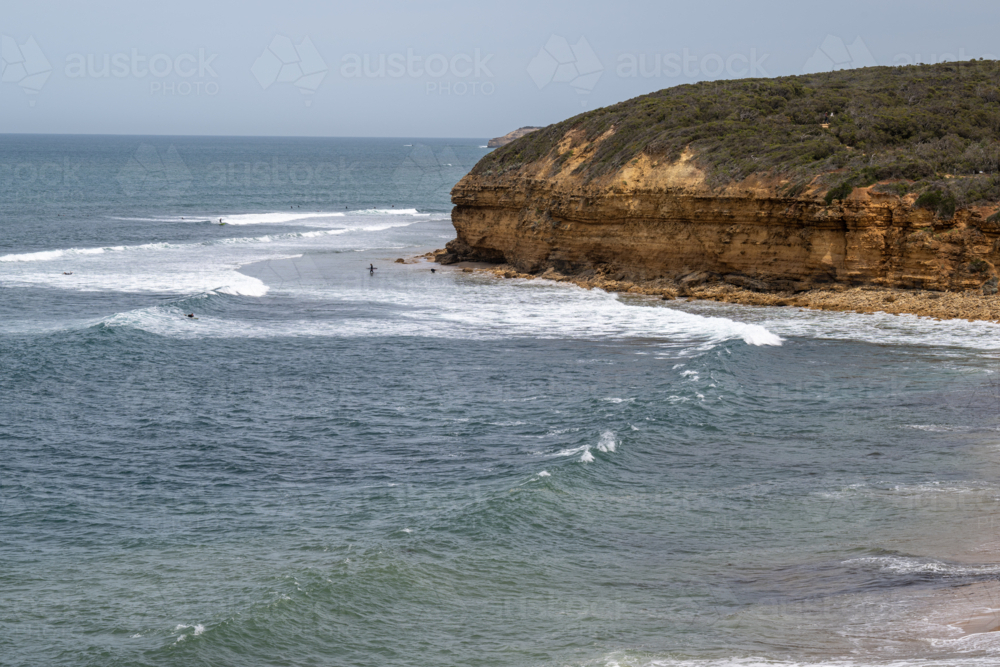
(925,128)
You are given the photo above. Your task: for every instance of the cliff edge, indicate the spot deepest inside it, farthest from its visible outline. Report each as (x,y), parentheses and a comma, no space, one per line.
(882,176)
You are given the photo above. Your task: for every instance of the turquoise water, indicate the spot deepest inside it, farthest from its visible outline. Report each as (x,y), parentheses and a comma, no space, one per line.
(329,467)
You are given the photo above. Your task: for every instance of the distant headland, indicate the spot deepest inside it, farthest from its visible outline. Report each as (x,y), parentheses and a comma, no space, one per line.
(511,136)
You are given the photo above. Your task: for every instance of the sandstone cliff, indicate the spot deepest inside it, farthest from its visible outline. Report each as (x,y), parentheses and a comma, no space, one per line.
(556,204)
(652,221)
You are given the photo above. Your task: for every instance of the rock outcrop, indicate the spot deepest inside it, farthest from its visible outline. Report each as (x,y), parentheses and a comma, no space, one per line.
(653,220)
(510,136)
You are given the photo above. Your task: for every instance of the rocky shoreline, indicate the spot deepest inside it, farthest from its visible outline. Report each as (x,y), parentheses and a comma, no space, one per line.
(971,305)
(648,196)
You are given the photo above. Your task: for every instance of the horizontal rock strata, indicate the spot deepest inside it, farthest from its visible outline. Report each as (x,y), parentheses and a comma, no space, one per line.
(652,221)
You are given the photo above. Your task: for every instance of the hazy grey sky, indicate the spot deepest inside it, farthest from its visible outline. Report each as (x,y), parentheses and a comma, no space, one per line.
(428,69)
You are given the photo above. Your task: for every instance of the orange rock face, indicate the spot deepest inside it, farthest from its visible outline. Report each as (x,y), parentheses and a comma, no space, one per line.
(650,221)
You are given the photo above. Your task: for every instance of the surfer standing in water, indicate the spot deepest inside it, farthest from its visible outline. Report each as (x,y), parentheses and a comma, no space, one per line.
(371,269)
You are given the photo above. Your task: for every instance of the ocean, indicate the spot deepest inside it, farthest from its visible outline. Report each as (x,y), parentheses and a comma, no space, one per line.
(329,465)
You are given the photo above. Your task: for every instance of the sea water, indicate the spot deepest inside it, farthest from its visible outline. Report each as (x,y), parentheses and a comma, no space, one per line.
(329,465)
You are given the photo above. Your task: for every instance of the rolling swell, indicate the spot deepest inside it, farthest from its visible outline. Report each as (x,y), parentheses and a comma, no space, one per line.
(418,468)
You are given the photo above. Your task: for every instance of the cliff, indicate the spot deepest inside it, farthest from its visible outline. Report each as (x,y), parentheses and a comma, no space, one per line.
(510,136)
(857,178)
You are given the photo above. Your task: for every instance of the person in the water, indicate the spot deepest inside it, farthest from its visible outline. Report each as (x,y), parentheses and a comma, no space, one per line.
(371,269)
(433,270)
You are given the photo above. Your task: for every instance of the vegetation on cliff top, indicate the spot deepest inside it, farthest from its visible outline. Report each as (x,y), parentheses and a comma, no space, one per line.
(931,129)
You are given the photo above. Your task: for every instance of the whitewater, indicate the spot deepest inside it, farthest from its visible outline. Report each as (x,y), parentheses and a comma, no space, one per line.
(333,464)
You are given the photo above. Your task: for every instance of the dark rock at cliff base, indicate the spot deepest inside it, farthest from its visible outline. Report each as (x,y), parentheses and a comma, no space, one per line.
(457,251)
(990,286)
(746,282)
(789,286)
(698,278)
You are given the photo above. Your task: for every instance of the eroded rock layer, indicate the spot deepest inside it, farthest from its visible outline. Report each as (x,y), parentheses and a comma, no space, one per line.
(654,221)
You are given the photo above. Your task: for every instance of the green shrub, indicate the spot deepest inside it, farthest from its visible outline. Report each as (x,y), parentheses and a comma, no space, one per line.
(889,124)
(930,199)
(842,191)
(941,203)
(899,189)
(823,151)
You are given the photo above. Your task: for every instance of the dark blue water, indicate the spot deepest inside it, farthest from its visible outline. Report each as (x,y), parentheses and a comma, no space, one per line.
(329,467)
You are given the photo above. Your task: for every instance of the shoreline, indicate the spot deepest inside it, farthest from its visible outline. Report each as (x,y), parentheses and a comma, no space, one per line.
(864,299)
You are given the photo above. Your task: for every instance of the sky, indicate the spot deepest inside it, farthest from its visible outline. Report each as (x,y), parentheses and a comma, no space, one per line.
(428,69)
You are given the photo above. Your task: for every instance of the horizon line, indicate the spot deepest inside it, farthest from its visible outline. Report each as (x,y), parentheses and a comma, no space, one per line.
(219,136)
